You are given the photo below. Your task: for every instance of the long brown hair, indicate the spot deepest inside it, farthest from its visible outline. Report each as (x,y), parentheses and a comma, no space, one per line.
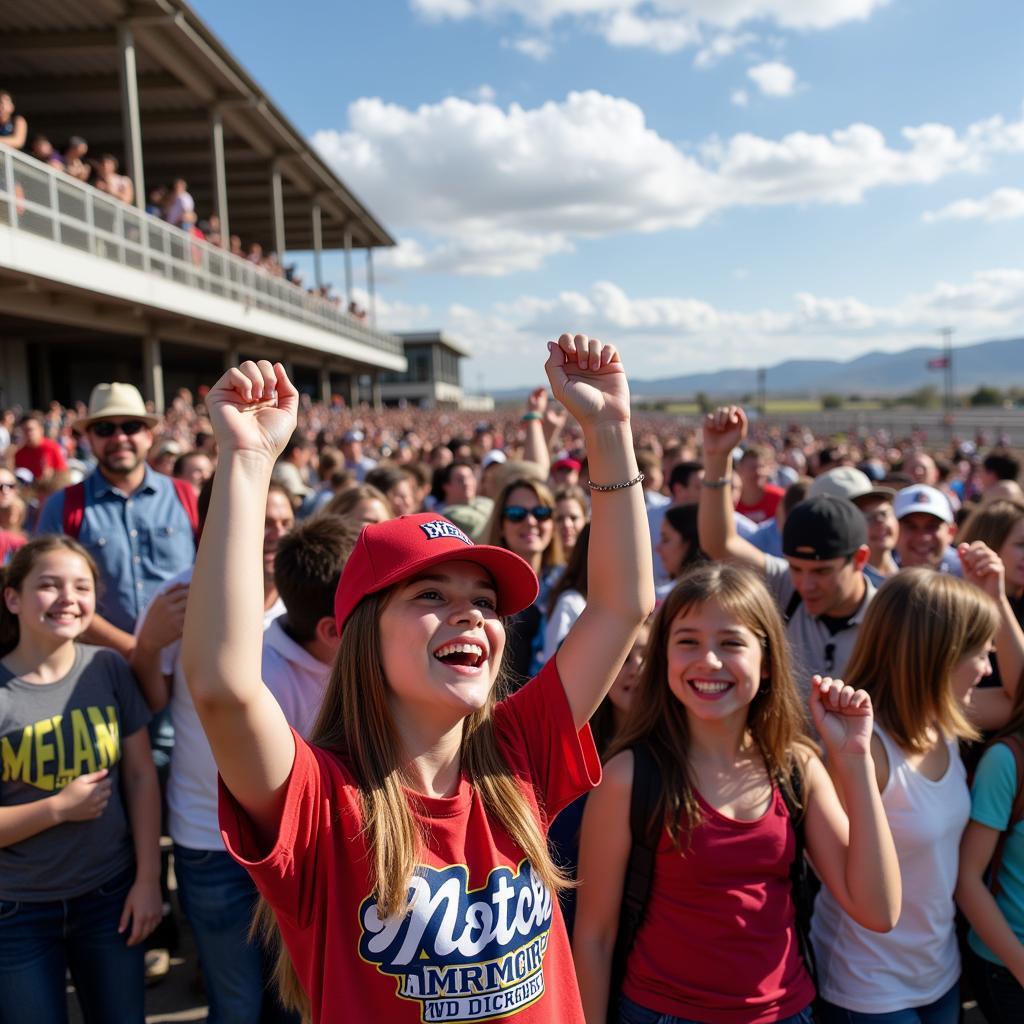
(21,564)
(776,720)
(917,627)
(355,722)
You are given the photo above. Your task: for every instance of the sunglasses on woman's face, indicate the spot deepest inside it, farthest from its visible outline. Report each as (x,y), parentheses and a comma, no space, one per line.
(517,513)
(106,429)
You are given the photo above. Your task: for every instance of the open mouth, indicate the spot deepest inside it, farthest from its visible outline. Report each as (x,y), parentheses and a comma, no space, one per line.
(709,689)
(461,655)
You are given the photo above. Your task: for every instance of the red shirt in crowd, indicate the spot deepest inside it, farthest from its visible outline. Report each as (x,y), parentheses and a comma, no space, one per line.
(718,942)
(40,459)
(9,543)
(765,508)
(485,940)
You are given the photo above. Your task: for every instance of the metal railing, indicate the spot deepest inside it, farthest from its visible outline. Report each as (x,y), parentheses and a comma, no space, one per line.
(41,200)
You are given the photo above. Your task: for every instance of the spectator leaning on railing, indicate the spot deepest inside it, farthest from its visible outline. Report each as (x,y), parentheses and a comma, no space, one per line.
(13,127)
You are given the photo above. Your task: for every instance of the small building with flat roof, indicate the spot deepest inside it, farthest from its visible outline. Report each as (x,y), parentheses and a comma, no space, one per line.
(433,379)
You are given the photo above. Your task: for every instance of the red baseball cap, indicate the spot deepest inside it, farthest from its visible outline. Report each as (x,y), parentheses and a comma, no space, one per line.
(397,549)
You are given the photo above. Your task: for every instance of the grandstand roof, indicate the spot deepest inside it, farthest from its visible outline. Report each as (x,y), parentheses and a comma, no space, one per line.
(61,62)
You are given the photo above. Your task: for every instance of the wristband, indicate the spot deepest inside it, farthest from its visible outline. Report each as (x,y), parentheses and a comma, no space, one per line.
(528,416)
(638,479)
(715,485)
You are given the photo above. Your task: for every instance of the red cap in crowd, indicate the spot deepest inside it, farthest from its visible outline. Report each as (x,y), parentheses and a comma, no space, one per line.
(398,549)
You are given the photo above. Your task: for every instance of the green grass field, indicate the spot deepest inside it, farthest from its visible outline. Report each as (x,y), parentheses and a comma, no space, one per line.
(778,406)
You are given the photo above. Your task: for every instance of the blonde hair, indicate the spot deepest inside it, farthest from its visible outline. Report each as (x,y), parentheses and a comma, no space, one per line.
(344,504)
(494,533)
(917,627)
(776,720)
(355,722)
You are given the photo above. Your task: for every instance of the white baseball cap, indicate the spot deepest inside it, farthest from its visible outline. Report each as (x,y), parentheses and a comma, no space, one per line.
(921,498)
(847,482)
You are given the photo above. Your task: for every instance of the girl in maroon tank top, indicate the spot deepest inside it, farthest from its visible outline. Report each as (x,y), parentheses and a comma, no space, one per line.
(717,708)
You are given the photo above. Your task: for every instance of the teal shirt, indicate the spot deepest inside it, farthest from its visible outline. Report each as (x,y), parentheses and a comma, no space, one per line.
(992,796)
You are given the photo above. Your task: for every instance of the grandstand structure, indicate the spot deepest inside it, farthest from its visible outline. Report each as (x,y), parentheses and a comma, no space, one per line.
(92,288)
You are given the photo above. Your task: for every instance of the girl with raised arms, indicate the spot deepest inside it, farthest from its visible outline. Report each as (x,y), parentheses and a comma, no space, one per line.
(718,715)
(403,849)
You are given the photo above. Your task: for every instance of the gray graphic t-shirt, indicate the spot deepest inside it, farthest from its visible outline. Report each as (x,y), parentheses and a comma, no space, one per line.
(51,733)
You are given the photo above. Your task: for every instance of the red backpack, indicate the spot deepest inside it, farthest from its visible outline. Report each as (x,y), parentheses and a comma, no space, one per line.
(74,507)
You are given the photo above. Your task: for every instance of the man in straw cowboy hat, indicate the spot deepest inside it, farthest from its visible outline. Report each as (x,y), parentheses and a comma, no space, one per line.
(133,520)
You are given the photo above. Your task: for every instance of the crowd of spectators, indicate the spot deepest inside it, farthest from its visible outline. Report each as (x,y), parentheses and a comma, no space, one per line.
(172,203)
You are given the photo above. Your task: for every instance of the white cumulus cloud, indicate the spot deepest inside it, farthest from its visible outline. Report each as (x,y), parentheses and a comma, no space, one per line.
(663,25)
(504,187)
(773,78)
(529,46)
(1002,204)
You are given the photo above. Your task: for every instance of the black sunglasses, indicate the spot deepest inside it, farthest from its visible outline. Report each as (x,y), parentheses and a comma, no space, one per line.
(517,513)
(106,429)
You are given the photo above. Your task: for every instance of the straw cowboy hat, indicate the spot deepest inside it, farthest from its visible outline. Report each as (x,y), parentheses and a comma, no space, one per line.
(117,399)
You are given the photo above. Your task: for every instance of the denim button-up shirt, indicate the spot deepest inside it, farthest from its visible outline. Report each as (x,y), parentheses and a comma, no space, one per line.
(139,540)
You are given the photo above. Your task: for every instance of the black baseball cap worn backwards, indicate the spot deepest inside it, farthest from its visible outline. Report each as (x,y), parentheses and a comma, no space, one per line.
(822,528)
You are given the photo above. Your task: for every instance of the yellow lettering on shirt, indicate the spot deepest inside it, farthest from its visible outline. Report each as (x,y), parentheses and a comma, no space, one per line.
(107,739)
(83,752)
(16,764)
(39,757)
(44,755)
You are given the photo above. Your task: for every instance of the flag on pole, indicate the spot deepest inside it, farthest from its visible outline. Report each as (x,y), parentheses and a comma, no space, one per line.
(940,363)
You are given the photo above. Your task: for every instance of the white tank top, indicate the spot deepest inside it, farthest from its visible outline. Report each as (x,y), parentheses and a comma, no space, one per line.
(918,961)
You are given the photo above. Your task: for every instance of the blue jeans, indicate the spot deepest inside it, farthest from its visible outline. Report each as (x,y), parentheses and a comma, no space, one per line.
(634,1013)
(218,898)
(945,1010)
(999,994)
(39,942)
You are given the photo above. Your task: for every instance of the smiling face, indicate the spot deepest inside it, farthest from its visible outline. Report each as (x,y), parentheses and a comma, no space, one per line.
(922,541)
(121,453)
(715,662)
(883,526)
(56,600)
(569,520)
(441,641)
(530,537)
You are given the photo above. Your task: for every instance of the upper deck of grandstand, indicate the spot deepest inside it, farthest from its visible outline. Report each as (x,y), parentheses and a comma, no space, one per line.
(149,83)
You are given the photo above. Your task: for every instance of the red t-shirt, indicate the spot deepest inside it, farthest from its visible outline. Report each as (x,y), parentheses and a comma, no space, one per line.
(485,940)
(718,943)
(765,508)
(46,455)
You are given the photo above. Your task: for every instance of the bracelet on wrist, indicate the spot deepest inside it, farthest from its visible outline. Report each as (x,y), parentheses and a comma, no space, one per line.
(722,481)
(528,416)
(638,479)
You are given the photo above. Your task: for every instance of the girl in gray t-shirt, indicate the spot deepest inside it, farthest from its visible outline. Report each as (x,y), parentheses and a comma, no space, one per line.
(79,801)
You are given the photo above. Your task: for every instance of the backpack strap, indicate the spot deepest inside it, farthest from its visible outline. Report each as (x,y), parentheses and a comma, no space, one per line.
(799,871)
(74,509)
(794,603)
(189,502)
(639,879)
(1016,812)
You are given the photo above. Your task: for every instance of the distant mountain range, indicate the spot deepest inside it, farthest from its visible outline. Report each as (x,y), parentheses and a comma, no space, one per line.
(996,363)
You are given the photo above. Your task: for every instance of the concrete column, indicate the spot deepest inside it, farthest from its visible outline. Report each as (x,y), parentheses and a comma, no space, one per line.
(15,385)
(348,266)
(220,175)
(325,385)
(378,402)
(318,245)
(371,286)
(153,372)
(131,121)
(277,195)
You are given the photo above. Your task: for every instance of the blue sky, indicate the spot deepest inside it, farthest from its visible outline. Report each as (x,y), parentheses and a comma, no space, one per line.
(706,183)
